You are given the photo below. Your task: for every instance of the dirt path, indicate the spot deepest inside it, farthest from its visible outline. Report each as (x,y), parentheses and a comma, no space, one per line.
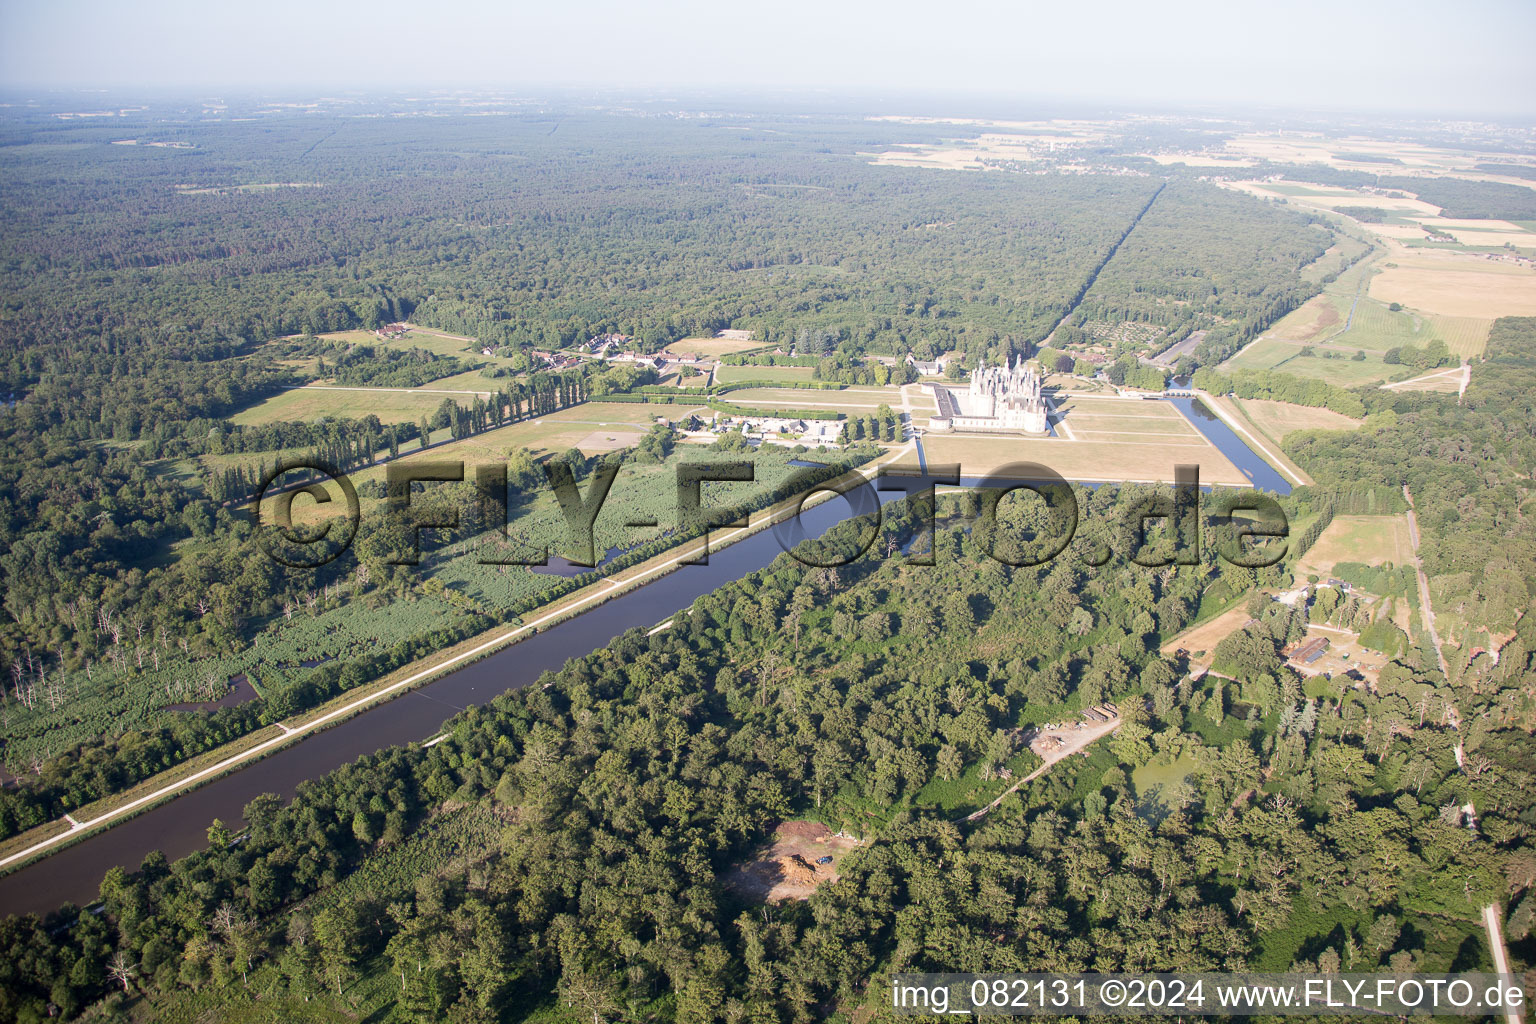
(1079,741)
(1426,610)
(1459,372)
(1512,1015)
(1491,911)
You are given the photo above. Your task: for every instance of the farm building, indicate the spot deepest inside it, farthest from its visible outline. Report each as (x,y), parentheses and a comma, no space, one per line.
(1308,651)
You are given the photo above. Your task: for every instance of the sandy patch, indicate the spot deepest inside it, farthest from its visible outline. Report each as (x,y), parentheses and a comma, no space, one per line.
(787,868)
(607,441)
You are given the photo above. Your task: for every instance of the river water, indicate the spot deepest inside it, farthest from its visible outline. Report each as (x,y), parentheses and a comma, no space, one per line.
(180,826)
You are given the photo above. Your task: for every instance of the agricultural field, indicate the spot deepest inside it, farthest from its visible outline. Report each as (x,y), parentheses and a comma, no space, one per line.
(1374,540)
(1276,419)
(306,404)
(1455,285)
(768,374)
(1104,439)
(713,346)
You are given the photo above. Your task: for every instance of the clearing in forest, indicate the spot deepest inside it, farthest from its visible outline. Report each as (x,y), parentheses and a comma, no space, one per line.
(787,868)
(1201,640)
(1369,539)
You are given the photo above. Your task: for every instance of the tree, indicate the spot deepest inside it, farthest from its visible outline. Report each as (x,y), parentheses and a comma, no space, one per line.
(121,970)
(339,937)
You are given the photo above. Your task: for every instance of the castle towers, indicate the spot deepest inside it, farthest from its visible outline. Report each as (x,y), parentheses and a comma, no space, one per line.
(1008,396)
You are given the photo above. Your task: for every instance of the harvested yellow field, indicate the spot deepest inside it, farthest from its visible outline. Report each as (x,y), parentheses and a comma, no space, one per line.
(1398,231)
(713,346)
(1280,418)
(1328,202)
(1494,239)
(1446,224)
(1456,285)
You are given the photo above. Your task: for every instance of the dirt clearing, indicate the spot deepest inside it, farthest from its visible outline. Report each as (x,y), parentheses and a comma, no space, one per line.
(787,868)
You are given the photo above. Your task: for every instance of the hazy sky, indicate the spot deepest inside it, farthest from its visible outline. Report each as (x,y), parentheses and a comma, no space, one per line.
(1410,55)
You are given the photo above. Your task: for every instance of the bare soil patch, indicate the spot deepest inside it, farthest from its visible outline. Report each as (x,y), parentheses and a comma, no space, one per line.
(608,441)
(787,868)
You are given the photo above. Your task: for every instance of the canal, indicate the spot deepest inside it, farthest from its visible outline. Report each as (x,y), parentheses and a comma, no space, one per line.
(179,826)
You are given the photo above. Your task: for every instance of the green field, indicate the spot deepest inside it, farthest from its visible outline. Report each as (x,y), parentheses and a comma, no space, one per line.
(1276,419)
(767,374)
(861,399)
(1272,354)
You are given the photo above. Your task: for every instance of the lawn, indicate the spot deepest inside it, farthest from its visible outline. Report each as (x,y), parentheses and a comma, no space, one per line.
(1082,460)
(1373,540)
(767,374)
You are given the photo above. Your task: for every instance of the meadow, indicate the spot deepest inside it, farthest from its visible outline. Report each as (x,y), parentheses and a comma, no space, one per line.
(307,404)
(1373,540)
(1276,419)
